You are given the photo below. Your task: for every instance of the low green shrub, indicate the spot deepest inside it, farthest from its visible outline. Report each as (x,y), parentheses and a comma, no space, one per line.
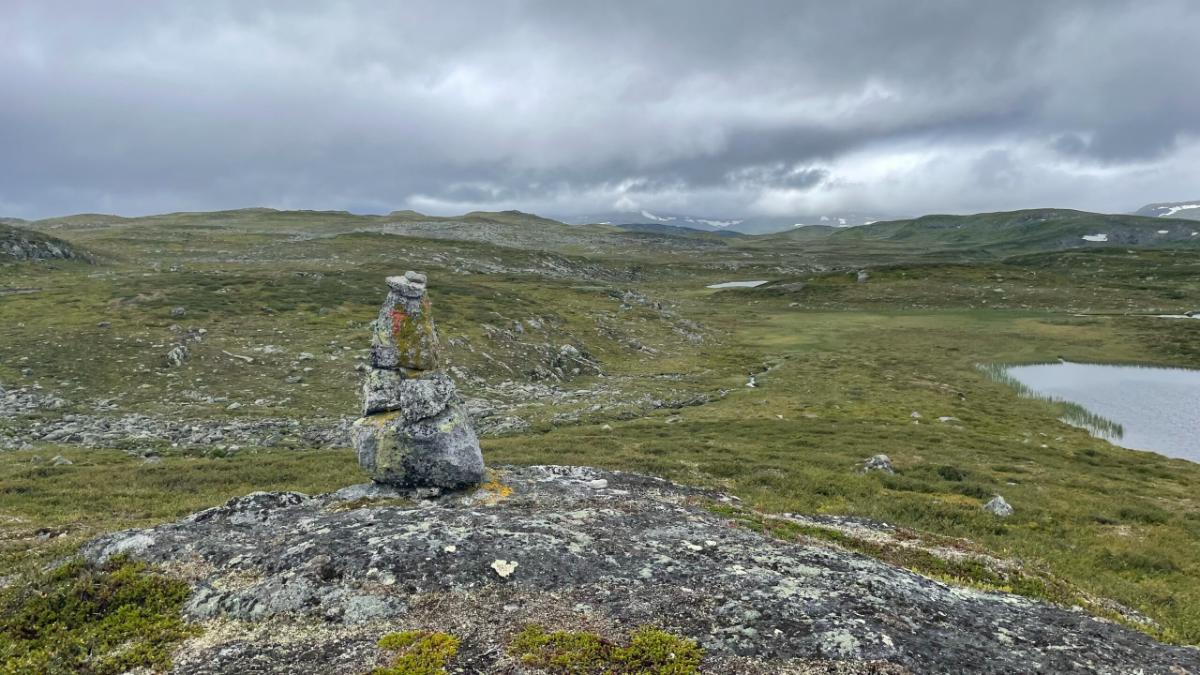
(97,619)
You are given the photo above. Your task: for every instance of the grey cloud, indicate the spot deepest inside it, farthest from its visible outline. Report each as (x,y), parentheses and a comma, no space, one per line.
(716,107)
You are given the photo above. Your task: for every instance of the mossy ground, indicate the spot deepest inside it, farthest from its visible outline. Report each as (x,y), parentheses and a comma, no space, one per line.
(418,652)
(77,618)
(848,365)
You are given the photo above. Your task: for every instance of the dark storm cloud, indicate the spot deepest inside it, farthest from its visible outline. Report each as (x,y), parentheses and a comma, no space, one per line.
(721,108)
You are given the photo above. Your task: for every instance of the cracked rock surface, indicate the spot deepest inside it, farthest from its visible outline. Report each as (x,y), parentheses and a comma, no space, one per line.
(285,582)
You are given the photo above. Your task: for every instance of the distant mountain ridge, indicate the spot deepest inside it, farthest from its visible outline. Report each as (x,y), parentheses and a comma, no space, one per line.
(1186,210)
(743,224)
(982,234)
(1010,232)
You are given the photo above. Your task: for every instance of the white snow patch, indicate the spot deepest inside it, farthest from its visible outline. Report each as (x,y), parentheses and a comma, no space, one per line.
(738,284)
(1178,316)
(869,222)
(1168,211)
(718,223)
(1164,232)
(651,216)
(1095,237)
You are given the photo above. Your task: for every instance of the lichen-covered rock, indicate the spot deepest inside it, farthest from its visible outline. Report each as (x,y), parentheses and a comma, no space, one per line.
(415,431)
(178,355)
(998,506)
(437,451)
(877,463)
(287,583)
(390,390)
(404,335)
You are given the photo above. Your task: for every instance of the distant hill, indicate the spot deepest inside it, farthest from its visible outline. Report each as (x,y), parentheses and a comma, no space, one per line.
(19,244)
(677,230)
(1186,210)
(809,232)
(743,224)
(510,218)
(1007,232)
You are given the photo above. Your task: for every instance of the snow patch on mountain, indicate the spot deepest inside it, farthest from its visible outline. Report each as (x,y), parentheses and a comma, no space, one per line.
(1168,211)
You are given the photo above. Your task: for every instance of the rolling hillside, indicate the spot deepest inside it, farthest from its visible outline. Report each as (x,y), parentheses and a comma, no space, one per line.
(1010,232)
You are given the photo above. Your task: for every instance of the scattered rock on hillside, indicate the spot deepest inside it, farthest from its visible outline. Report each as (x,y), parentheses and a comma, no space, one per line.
(878,463)
(178,355)
(313,582)
(998,507)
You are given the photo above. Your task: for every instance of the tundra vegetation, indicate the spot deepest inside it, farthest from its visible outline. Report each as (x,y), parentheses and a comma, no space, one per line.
(602,346)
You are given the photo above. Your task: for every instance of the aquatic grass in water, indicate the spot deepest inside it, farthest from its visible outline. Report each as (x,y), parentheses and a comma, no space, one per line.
(1072,413)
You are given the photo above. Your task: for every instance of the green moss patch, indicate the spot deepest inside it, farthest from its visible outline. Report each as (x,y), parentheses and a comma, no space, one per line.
(650,651)
(102,619)
(419,652)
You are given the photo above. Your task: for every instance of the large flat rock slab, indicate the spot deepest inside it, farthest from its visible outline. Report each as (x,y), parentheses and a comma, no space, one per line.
(292,583)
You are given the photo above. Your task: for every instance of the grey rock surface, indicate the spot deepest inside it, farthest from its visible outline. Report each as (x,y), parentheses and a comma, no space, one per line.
(415,399)
(437,451)
(290,583)
(878,463)
(998,506)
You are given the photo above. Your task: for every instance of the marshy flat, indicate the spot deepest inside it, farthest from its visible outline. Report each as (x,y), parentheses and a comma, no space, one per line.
(1158,409)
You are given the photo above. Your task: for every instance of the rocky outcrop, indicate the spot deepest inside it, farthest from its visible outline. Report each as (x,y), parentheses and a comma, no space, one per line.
(19,244)
(415,431)
(290,583)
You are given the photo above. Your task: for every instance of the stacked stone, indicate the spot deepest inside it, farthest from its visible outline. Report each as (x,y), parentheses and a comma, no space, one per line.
(414,431)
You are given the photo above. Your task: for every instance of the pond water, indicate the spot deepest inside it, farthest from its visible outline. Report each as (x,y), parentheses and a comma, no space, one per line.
(738,284)
(1157,409)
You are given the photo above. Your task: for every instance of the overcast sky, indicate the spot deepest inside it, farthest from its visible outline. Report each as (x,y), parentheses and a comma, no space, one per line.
(711,108)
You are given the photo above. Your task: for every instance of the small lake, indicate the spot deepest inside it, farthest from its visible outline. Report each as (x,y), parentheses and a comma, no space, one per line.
(738,284)
(1158,409)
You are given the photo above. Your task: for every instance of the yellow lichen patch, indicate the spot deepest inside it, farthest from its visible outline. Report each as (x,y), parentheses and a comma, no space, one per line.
(493,491)
(379,420)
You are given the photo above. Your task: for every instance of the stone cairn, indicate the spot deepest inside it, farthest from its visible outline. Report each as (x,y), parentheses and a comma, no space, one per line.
(414,431)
